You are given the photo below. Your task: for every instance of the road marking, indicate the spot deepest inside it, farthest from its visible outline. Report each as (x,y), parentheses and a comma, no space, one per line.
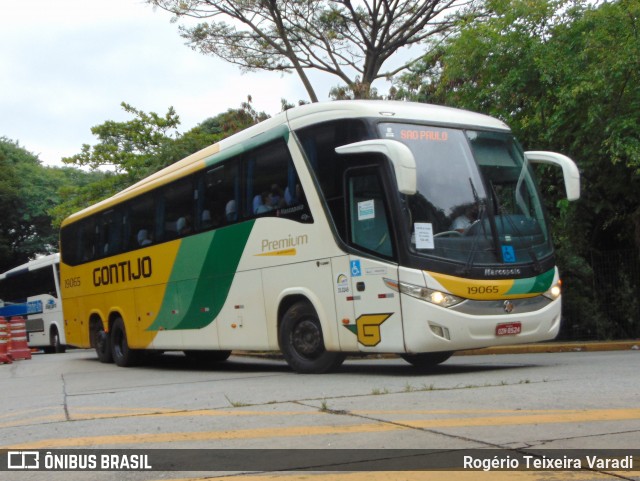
(87,413)
(173,437)
(34,420)
(523,417)
(202,412)
(503,418)
(486,417)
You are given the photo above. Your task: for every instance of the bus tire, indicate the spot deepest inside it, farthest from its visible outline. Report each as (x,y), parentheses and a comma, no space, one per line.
(426,360)
(302,343)
(102,342)
(122,354)
(56,345)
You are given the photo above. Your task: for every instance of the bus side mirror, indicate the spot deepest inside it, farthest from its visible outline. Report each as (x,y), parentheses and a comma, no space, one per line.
(570,170)
(401,157)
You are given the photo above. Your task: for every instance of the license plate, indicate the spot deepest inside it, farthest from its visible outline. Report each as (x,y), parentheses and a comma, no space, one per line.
(509,329)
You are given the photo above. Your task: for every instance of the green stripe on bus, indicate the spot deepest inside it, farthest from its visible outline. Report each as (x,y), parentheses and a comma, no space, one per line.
(532,285)
(201,279)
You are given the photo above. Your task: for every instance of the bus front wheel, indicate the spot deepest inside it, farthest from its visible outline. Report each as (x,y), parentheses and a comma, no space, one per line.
(122,354)
(425,360)
(302,343)
(56,344)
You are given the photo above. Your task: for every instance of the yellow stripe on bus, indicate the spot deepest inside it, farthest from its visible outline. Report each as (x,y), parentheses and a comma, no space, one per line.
(284,252)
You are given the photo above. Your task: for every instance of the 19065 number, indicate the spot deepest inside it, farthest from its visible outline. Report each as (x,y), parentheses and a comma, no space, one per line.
(72,282)
(475,290)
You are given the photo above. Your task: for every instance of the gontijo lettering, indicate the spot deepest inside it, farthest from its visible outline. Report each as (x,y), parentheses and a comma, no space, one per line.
(122,272)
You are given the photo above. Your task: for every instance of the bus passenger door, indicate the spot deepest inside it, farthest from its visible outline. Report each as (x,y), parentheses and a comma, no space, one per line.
(345,309)
(378,319)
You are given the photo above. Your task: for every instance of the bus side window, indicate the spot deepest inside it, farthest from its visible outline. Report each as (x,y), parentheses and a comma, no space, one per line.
(141,226)
(265,174)
(179,208)
(88,240)
(369,225)
(110,233)
(272,187)
(221,195)
(70,238)
(319,143)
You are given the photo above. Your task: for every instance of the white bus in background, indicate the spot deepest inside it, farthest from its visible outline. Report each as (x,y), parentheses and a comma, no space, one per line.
(32,290)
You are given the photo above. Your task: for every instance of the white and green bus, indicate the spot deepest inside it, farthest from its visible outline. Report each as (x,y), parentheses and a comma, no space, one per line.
(32,291)
(329,229)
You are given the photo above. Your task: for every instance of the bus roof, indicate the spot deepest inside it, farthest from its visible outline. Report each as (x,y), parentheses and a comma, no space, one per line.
(299,117)
(33,265)
(391,110)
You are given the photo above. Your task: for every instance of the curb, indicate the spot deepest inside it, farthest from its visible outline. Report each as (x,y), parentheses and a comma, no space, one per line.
(538,348)
(555,347)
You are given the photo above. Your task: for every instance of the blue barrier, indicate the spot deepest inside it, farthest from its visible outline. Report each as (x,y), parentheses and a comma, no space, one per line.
(22,309)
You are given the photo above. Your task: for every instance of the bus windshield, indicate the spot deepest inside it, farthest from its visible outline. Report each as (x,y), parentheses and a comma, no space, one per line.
(476,201)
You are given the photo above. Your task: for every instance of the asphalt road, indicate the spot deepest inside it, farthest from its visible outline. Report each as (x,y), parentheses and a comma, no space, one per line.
(575,400)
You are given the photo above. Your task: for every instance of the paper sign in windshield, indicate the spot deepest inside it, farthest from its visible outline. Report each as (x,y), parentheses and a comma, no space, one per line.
(366,210)
(424,235)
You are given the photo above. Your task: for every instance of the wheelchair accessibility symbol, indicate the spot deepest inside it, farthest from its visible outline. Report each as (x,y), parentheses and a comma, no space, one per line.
(356,271)
(508,254)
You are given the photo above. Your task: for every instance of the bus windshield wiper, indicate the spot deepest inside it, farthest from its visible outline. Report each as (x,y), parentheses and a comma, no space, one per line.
(482,213)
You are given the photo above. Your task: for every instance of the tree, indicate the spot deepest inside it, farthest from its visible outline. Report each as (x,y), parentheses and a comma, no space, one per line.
(129,147)
(27,192)
(81,190)
(9,204)
(350,40)
(565,76)
(126,152)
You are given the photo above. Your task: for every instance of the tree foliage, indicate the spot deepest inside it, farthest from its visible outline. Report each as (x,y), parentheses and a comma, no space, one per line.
(27,191)
(565,75)
(353,41)
(130,147)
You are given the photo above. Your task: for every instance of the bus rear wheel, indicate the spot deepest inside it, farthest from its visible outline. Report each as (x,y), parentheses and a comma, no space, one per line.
(122,354)
(302,343)
(101,340)
(425,360)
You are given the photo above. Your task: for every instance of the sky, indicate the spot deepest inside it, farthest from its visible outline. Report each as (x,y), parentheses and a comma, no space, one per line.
(66,65)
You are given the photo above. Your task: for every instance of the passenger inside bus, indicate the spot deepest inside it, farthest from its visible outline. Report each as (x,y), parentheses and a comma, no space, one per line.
(183,226)
(262,203)
(230,211)
(143,238)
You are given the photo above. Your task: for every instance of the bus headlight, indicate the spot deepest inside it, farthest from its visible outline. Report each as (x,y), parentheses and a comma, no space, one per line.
(433,296)
(554,291)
